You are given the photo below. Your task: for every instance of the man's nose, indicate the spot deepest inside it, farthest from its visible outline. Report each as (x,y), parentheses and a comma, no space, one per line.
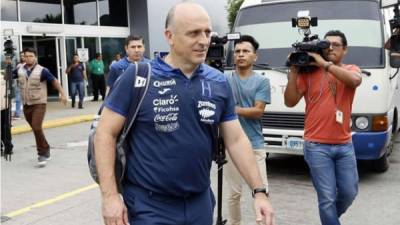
(204,38)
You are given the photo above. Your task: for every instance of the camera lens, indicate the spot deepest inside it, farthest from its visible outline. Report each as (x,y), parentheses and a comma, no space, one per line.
(299,59)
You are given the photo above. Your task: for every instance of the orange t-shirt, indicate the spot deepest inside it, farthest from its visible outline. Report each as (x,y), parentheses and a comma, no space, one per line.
(321,105)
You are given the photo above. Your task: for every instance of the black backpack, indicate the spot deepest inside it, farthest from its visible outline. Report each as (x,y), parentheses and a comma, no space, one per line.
(141,84)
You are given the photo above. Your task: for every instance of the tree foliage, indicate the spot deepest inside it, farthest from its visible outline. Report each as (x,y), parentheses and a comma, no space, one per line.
(232,8)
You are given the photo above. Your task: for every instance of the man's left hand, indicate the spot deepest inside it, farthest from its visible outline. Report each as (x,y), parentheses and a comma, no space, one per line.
(319,61)
(264,210)
(63,99)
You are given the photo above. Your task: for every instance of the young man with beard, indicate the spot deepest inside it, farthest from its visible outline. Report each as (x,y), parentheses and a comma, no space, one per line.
(251,92)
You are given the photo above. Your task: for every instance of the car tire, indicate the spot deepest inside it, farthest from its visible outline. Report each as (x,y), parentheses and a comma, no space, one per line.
(380,165)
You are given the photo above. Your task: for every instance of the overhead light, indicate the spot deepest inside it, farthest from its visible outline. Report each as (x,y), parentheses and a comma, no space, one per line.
(8,32)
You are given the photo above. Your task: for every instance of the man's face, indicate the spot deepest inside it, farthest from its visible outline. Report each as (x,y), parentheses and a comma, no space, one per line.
(134,50)
(244,55)
(336,51)
(30,58)
(189,39)
(75,59)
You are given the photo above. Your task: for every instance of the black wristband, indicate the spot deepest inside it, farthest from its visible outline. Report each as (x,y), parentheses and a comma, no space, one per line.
(259,190)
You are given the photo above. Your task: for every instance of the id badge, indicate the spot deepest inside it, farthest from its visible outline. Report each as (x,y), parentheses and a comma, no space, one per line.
(339,116)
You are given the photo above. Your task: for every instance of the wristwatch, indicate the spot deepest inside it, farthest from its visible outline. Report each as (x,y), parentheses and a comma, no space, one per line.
(259,190)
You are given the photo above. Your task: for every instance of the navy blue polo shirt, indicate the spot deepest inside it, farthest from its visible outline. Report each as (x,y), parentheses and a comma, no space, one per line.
(171,142)
(45,75)
(76,73)
(117,68)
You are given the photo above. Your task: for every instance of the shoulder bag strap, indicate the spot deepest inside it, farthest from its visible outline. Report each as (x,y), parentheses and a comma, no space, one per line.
(141,85)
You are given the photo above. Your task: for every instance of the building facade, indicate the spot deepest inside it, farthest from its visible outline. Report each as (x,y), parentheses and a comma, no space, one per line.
(57,28)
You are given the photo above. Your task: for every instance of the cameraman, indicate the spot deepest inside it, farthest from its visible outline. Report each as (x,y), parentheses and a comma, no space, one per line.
(328,150)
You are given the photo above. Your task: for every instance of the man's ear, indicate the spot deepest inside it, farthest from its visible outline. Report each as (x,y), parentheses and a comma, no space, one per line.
(345,50)
(168,35)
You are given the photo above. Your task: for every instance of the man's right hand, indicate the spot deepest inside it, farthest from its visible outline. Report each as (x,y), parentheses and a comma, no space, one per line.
(114,210)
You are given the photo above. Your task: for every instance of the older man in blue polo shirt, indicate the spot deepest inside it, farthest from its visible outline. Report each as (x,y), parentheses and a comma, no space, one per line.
(169,158)
(134,48)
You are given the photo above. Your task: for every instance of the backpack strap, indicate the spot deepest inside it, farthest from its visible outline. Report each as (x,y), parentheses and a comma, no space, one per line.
(140,87)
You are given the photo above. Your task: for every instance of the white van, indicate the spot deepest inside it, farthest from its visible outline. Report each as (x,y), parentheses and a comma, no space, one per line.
(376,107)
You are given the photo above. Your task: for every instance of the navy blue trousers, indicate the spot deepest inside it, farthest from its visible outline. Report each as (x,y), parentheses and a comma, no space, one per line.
(149,208)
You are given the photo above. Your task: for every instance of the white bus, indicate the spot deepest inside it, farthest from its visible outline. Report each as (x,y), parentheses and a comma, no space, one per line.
(376,107)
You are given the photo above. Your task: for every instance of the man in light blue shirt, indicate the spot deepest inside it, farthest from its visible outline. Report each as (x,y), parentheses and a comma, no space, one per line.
(251,92)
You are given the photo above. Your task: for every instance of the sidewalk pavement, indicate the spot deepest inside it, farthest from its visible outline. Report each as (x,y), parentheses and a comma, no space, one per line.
(58,114)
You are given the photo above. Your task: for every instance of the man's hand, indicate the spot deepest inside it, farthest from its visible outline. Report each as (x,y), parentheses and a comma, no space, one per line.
(263,209)
(63,99)
(114,210)
(319,61)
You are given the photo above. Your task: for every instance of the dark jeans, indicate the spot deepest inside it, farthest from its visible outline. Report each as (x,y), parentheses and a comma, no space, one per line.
(6,131)
(99,84)
(34,115)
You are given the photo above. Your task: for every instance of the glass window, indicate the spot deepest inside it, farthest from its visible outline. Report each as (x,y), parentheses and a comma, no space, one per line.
(9,10)
(270,24)
(113,14)
(81,12)
(92,44)
(109,47)
(72,43)
(41,11)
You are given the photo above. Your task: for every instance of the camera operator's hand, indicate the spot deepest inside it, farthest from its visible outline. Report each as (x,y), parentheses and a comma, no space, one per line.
(319,61)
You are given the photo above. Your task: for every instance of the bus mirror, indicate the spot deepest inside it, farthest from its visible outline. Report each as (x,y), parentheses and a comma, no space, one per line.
(389,3)
(395,59)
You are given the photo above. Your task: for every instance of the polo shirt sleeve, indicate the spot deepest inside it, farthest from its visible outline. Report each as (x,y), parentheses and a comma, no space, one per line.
(263,92)
(47,75)
(353,68)
(229,113)
(112,75)
(120,96)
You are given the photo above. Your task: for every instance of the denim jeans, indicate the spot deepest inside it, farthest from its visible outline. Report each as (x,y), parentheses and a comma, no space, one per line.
(333,169)
(80,87)
(18,102)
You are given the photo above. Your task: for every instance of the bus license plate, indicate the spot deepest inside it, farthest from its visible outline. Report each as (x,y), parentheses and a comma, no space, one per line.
(294,143)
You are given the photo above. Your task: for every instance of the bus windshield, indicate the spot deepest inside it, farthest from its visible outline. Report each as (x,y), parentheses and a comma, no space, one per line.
(271,25)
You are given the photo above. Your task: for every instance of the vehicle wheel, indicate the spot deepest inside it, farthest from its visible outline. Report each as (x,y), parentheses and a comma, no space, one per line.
(381,165)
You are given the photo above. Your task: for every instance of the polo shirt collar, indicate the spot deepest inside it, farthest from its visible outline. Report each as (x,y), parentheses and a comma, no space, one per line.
(162,66)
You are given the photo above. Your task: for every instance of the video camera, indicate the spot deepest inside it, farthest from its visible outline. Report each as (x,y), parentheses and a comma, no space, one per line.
(309,44)
(216,54)
(9,48)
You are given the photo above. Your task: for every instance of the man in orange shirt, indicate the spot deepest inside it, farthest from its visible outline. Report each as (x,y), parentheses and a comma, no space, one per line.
(328,150)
